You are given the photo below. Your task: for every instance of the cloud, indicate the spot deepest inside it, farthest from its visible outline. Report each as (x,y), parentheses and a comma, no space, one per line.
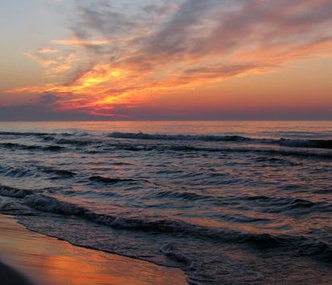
(54,61)
(32,110)
(125,53)
(79,42)
(253,31)
(43,109)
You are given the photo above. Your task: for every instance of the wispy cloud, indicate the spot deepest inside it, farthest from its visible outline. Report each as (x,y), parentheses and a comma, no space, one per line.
(127,53)
(54,61)
(80,42)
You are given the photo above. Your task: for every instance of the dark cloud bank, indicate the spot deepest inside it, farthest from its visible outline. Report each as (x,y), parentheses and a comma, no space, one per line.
(42,110)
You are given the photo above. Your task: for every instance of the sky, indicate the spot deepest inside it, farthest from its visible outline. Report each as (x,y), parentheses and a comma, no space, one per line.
(166,60)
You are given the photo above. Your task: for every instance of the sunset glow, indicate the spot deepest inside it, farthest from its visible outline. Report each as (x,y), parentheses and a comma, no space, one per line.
(129,60)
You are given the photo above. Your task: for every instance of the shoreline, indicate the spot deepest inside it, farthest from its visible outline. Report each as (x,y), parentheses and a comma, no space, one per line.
(48,261)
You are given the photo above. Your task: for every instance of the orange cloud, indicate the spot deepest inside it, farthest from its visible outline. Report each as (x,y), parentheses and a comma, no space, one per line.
(80,42)
(53,60)
(126,58)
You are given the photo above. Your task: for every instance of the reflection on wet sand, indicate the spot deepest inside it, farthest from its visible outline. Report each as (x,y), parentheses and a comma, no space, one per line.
(54,262)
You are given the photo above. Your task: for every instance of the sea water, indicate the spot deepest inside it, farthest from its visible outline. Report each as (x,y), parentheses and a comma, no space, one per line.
(227,202)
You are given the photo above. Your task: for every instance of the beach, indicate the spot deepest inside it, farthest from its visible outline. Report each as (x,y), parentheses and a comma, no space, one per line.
(41,260)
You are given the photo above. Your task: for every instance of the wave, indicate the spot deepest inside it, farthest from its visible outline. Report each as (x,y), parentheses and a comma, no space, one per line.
(14,192)
(8,191)
(191,196)
(262,204)
(16,146)
(327,144)
(306,143)
(144,136)
(169,230)
(108,180)
(284,205)
(80,139)
(303,152)
(24,134)
(50,204)
(239,144)
(9,171)
(59,172)
(13,172)
(171,252)
(78,142)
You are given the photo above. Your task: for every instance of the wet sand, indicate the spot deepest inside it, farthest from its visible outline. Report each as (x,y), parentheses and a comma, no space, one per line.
(49,261)
(9,276)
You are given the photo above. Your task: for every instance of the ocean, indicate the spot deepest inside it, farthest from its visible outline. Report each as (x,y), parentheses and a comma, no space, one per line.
(228,202)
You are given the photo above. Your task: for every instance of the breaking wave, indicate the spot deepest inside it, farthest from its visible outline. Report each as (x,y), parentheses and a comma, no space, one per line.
(48,204)
(311,143)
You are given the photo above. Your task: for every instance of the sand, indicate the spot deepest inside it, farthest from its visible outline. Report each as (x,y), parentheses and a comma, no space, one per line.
(48,261)
(9,276)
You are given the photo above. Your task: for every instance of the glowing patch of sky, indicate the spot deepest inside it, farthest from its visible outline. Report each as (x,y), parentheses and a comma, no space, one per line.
(131,59)
(25,25)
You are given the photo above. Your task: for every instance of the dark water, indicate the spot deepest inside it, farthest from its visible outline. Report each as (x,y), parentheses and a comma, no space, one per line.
(228,202)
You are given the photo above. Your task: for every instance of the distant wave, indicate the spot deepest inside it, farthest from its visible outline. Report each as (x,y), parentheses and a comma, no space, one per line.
(302,152)
(14,192)
(144,136)
(80,139)
(212,138)
(108,180)
(15,172)
(37,171)
(16,146)
(182,143)
(264,200)
(23,134)
(306,143)
(77,142)
(59,172)
(290,206)
(264,204)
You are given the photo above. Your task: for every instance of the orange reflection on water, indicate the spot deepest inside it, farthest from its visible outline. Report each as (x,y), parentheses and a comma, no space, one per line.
(53,262)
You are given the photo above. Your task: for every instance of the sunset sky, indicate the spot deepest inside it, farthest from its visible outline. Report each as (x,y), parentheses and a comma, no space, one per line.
(165,59)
